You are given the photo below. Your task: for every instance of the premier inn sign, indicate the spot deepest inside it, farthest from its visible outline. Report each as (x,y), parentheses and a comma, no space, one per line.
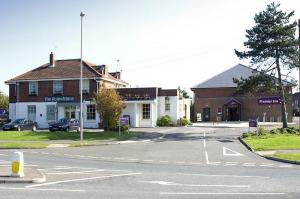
(60,99)
(269,100)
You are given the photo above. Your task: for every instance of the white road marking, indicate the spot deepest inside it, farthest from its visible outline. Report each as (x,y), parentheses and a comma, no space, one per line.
(214,163)
(180,162)
(217,193)
(267,165)
(119,158)
(36,189)
(231,162)
(148,160)
(195,163)
(3,155)
(204,140)
(232,152)
(286,166)
(82,179)
(75,172)
(166,183)
(163,161)
(206,157)
(230,176)
(133,159)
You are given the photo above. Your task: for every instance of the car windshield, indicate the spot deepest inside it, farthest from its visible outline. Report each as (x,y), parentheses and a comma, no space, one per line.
(18,121)
(63,120)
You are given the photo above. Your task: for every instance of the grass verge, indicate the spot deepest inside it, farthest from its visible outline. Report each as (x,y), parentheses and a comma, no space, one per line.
(288,156)
(273,142)
(23,145)
(74,136)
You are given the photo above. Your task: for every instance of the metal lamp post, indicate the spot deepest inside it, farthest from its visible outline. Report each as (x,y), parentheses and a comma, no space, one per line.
(81,107)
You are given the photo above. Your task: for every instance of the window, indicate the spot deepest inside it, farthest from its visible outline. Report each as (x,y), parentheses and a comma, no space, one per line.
(167,104)
(31,112)
(33,88)
(85,86)
(146,111)
(57,87)
(50,112)
(91,112)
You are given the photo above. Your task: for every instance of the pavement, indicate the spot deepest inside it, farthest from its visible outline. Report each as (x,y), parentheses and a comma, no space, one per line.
(31,175)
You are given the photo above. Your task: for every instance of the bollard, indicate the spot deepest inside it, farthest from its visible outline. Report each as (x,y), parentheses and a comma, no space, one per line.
(17,164)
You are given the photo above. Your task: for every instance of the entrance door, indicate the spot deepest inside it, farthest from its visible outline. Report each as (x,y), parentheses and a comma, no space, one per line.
(233,114)
(206,114)
(70,112)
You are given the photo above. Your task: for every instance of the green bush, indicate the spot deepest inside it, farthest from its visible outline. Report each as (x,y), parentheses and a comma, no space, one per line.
(164,121)
(183,122)
(125,128)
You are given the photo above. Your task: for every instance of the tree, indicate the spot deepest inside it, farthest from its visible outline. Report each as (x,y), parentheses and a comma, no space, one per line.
(3,101)
(183,93)
(109,106)
(272,49)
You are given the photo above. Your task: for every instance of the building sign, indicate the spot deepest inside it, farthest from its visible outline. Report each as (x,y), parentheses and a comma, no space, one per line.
(60,99)
(269,100)
(136,97)
(124,121)
(253,122)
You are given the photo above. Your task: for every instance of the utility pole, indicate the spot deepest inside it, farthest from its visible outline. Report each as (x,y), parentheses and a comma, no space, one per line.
(299,68)
(81,105)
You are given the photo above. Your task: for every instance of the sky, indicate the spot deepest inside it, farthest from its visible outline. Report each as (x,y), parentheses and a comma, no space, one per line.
(163,43)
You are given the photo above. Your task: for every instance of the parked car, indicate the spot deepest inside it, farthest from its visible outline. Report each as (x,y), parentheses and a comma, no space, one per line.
(65,124)
(20,124)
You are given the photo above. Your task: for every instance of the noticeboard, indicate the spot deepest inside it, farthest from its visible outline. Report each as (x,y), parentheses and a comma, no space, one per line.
(253,122)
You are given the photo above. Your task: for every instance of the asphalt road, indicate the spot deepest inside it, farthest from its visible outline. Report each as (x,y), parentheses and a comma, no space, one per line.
(188,162)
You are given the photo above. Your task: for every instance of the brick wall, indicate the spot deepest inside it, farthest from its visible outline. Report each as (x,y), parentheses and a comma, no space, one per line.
(215,99)
(45,89)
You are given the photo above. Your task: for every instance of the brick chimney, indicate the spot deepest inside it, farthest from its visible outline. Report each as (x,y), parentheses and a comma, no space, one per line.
(52,60)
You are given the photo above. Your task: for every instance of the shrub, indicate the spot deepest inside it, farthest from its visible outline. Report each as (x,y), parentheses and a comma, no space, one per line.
(183,122)
(164,121)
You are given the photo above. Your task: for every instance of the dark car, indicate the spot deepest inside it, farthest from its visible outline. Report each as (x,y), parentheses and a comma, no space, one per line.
(65,124)
(20,124)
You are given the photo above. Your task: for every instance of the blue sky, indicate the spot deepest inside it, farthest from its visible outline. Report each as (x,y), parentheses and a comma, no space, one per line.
(166,43)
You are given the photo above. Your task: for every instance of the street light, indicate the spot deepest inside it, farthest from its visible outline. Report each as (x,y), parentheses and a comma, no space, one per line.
(81,108)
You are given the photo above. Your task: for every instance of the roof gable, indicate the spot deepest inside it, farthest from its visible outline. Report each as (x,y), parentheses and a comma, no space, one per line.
(224,79)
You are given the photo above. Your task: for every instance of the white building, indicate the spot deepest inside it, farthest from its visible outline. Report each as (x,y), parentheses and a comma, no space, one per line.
(145,106)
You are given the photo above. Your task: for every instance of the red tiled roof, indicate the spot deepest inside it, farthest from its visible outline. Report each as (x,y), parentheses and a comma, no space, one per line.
(63,69)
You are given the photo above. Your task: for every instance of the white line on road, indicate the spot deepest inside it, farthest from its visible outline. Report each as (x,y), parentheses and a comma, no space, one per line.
(285,166)
(148,160)
(3,155)
(166,183)
(230,176)
(75,172)
(163,161)
(206,157)
(204,140)
(267,165)
(36,189)
(211,193)
(82,179)
(231,152)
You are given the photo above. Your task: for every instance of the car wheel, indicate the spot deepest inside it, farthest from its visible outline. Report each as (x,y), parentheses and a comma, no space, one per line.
(34,128)
(78,129)
(67,129)
(19,128)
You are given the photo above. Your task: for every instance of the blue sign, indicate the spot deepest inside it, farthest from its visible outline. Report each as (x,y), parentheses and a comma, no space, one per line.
(253,122)
(269,100)
(124,121)
(2,112)
(60,99)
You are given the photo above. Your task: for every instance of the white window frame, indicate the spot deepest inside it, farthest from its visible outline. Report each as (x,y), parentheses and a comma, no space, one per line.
(31,109)
(85,86)
(167,104)
(49,111)
(146,111)
(58,84)
(89,108)
(33,88)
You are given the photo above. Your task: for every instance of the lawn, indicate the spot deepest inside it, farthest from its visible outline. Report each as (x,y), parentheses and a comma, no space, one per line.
(273,142)
(288,156)
(23,145)
(74,136)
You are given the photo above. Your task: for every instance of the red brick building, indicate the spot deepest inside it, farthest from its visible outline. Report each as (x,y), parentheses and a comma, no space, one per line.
(216,99)
(52,91)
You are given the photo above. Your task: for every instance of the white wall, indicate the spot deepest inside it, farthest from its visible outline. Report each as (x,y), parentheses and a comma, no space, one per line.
(174,109)
(41,112)
(12,111)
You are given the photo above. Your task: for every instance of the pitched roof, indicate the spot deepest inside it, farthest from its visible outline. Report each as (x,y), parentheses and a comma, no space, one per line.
(224,79)
(63,69)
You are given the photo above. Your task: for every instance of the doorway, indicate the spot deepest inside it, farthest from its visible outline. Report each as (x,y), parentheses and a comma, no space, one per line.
(233,113)
(206,114)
